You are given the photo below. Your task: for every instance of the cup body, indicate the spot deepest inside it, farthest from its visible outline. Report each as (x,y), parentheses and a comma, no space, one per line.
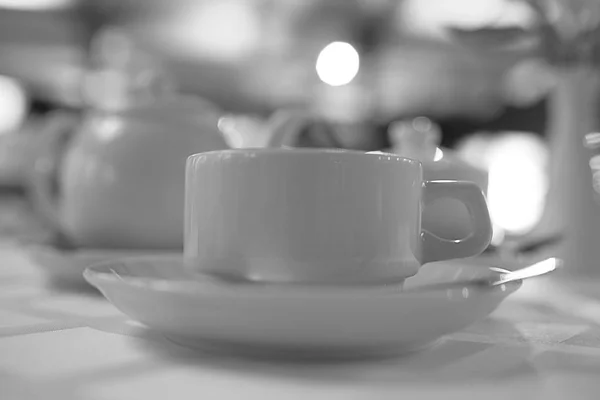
(303,215)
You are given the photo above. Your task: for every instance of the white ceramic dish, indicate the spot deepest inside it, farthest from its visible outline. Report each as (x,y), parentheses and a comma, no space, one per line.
(307,320)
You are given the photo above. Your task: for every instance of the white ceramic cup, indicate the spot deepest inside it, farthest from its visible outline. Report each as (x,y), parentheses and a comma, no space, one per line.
(318,216)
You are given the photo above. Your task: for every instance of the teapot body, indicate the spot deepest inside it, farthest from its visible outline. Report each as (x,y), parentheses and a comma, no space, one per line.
(122,179)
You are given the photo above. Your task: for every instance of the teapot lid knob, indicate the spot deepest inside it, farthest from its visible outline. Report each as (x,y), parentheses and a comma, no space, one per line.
(123,73)
(417,138)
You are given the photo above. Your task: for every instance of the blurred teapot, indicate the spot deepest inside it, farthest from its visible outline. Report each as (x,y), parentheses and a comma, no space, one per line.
(114,178)
(417,139)
(297,128)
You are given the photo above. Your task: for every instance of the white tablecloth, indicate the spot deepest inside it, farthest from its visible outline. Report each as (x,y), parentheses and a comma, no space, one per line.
(63,344)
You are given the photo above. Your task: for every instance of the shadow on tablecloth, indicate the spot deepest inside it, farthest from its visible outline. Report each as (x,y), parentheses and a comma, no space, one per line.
(448,362)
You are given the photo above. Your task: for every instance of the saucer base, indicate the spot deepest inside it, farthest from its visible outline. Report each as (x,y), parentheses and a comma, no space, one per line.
(299,354)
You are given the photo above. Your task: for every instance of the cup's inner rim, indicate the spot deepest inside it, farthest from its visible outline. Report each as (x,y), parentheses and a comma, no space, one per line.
(300,151)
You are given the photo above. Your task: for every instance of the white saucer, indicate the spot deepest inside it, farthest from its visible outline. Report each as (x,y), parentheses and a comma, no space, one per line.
(65,266)
(312,320)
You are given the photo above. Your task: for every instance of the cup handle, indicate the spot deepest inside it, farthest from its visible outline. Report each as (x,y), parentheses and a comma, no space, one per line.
(435,248)
(42,185)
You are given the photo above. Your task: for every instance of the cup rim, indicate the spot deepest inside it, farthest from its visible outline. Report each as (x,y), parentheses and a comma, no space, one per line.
(304,151)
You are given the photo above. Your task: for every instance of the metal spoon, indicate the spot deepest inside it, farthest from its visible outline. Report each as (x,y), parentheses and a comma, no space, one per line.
(502,277)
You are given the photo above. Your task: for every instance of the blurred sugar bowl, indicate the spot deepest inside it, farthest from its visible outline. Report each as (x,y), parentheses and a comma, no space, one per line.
(115,177)
(419,139)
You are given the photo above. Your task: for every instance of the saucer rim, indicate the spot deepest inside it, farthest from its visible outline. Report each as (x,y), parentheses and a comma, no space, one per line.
(103,273)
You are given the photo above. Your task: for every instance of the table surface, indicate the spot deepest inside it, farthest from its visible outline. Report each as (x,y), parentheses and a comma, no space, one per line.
(63,343)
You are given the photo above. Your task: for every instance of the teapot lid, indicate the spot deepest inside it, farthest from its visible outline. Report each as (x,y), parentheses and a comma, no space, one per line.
(130,81)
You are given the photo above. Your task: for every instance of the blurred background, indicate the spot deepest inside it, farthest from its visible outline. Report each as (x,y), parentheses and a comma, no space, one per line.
(256,55)
(476,69)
